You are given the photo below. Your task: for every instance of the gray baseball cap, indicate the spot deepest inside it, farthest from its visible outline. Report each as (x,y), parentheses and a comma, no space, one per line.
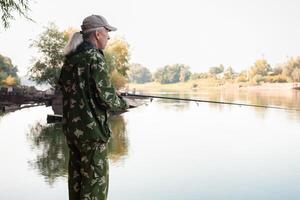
(95,21)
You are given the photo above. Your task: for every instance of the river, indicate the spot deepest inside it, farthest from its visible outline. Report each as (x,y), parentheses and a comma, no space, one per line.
(167,150)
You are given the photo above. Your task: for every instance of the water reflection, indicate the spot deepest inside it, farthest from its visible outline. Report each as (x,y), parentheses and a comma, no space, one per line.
(281,98)
(173,104)
(52,153)
(2,114)
(118,144)
(257,157)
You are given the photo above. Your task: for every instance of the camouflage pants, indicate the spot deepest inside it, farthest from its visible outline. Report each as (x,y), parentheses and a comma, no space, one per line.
(88,170)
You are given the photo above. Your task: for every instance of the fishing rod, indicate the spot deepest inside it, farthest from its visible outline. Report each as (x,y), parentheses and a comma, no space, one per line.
(205,101)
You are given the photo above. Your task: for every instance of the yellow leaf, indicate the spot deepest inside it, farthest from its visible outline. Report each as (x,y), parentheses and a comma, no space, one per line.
(69,32)
(9,81)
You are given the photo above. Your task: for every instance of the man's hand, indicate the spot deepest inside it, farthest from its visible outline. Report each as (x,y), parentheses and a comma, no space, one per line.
(133,103)
(118,93)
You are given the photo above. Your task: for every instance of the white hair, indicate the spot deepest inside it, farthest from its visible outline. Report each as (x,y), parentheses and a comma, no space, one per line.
(73,43)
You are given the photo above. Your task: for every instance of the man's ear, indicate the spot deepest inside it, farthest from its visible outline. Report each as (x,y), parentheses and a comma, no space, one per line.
(97,35)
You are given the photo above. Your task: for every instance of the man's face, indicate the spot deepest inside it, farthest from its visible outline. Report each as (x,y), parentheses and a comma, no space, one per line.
(102,38)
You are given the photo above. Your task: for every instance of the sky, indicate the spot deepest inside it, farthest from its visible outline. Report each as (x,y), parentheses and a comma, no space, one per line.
(198,33)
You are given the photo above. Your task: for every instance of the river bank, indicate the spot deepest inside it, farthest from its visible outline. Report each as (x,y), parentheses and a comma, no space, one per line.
(194,86)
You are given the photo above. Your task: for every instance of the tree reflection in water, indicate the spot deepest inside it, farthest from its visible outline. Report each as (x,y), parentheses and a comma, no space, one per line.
(2,114)
(52,153)
(118,144)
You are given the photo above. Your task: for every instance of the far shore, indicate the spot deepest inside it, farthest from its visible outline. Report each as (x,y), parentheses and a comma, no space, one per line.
(194,86)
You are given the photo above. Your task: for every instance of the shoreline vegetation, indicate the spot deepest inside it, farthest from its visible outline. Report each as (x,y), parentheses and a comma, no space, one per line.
(200,85)
(260,76)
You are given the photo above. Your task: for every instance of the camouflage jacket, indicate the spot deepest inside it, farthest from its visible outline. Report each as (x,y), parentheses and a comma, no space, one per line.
(87,95)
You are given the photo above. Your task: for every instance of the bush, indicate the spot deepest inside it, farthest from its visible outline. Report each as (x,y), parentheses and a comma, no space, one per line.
(258,79)
(242,79)
(275,79)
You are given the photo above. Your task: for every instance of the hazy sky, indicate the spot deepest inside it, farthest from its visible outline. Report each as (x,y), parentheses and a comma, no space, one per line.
(198,33)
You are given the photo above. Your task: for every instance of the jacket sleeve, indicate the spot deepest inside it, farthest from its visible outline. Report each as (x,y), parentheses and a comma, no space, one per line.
(105,91)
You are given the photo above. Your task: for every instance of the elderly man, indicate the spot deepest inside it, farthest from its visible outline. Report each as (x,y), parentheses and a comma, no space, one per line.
(87,97)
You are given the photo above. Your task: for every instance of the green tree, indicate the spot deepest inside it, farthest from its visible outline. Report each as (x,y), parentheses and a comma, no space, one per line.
(201,75)
(172,74)
(162,76)
(242,76)
(8,72)
(185,73)
(8,7)
(277,70)
(216,70)
(229,73)
(296,75)
(258,78)
(2,77)
(261,67)
(275,75)
(117,55)
(290,69)
(139,74)
(50,44)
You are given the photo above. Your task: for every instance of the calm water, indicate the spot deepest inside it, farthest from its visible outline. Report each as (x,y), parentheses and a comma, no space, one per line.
(167,150)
